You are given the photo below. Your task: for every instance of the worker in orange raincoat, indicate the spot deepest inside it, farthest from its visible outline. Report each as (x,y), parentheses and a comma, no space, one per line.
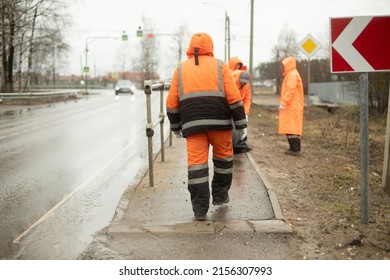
(291,106)
(202,101)
(235,63)
(242,78)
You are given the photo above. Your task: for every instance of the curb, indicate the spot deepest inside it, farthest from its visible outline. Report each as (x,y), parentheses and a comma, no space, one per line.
(208,227)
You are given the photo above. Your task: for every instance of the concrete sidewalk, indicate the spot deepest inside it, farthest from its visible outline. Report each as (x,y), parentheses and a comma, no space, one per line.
(166,207)
(158,223)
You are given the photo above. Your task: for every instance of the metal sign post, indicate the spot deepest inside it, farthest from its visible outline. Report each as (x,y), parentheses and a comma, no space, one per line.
(309,46)
(360,44)
(162,117)
(149,128)
(364,190)
(386,158)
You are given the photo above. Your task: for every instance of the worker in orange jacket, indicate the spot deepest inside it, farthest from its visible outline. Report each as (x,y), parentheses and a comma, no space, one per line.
(202,101)
(291,106)
(241,78)
(235,63)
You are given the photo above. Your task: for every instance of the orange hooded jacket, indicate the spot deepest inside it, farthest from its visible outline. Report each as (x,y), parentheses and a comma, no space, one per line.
(203,95)
(292,98)
(233,63)
(245,89)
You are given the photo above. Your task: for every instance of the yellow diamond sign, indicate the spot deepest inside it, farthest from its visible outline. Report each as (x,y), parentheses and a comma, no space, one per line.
(309,46)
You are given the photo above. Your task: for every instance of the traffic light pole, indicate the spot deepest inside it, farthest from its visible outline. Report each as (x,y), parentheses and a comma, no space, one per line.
(86,57)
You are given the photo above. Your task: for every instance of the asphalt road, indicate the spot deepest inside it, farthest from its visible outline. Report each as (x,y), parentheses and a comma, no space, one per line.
(64,167)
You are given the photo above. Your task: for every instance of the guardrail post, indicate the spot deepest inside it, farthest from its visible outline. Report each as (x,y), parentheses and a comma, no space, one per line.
(162,116)
(149,129)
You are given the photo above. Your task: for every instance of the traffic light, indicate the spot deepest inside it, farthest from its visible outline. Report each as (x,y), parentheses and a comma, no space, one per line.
(86,69)
(140,33)
(124,36)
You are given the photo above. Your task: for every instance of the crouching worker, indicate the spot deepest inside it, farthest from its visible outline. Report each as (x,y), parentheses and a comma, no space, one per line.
(201,103)
(242,81)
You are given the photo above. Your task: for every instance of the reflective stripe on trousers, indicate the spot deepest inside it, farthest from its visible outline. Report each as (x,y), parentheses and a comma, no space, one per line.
(198,145)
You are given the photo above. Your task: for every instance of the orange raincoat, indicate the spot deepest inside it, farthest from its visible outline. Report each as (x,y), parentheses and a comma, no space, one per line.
(245,90)
(233,63)
(291,97)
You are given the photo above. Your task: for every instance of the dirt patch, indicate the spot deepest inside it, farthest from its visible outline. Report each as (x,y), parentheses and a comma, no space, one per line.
(319,191)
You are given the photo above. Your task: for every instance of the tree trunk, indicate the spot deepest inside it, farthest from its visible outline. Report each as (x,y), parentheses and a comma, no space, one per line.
(20,64)
(31,50)
(54,66)
(9,80)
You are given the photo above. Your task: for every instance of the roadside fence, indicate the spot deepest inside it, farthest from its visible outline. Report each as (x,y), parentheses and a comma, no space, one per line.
(150,127)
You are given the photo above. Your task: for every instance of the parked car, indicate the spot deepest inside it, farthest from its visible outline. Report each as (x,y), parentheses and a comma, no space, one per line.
(123,86)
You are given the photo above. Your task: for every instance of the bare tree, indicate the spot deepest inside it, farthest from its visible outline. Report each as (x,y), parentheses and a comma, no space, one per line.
(181,38)
(173,55)
(147,60)
(26,27)
(123,57)
(287,43)
(45,36)
(287,46)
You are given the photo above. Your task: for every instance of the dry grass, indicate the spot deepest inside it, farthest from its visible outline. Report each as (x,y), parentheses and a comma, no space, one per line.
(321,188)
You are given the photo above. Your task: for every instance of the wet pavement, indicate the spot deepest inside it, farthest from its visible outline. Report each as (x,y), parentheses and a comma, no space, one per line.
(64,168)
(166,207)
(157,222)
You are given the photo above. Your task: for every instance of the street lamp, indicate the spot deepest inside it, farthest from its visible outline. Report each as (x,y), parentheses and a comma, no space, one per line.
(227,31)
(86,57)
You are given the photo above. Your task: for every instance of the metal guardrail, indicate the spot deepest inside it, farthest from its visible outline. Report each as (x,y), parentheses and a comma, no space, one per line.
(37,95)
(150,127)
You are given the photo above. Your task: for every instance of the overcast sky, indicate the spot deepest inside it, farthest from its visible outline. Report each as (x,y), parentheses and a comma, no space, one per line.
(102,18)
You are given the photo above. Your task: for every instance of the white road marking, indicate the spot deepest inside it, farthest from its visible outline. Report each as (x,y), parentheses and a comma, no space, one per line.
(71,194)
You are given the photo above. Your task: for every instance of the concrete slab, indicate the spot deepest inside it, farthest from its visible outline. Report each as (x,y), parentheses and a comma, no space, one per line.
(166,207)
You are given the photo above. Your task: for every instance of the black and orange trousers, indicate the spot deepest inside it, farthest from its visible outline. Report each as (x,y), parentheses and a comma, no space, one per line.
(198,149)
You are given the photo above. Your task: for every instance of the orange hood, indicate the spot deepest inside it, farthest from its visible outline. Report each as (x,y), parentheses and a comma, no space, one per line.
(289,64)
(233,62)
(203,42)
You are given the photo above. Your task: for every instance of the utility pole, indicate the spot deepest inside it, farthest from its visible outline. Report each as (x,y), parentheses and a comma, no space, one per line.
(86,65)
(277,76)
(86,57)
(251,46)
(225,53)
(227,31)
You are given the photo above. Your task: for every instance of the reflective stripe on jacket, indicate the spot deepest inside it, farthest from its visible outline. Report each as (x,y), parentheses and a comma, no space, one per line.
(204,97)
